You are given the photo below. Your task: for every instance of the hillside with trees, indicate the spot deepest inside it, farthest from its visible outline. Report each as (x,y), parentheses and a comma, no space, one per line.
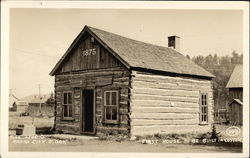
(221,67)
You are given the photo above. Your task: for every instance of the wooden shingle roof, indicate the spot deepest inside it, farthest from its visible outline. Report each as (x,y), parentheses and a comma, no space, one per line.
(236,78)
(136,54)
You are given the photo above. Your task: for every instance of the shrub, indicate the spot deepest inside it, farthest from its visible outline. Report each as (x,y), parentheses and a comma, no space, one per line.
(214,134)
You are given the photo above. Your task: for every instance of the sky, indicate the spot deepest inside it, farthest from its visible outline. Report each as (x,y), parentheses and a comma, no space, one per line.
(39,37)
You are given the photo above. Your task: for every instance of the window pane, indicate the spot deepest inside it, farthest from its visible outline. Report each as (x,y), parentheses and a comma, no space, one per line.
(205,110)
(107,98)
(70,111)
(114,113)
(69,98)
(64,98)
(108,113)
(65,111)
(114,98)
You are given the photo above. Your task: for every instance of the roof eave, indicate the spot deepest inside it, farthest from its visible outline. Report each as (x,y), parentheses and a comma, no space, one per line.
(52,73)
(172,73)
(234,87)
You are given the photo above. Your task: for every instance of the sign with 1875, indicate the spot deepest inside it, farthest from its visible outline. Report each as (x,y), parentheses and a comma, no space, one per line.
(89,52)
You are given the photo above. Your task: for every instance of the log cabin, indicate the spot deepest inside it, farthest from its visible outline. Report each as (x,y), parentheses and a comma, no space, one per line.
(107,83)
(235,87)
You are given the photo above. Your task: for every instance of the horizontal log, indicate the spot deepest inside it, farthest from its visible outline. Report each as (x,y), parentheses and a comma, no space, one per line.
(68,129)
(124,106)
(121,79)
(92,73)
(165,92)
(164,116)
(118,84)
(164,98)
(161,103)
(168,129)
(171,86)
(164,110)
(123,111)
(124,122)
(94,80)
(143,122)
(112,128)
(164,78)
(68,123)
(124,103)
(124,118)
(124,98)
(124,91)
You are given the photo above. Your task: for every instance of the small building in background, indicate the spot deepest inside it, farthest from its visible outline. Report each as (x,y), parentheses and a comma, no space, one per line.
(16,105)
(235,86)
(38,106)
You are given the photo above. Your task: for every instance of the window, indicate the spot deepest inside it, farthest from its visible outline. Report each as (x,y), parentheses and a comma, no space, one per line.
(67,105)
(204,109)
(111,106)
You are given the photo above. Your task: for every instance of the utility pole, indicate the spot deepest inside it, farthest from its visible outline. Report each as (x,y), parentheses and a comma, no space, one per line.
(40,104)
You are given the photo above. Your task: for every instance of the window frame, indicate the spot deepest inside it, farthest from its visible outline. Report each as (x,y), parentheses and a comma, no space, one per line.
(203,122)
(68,105)
(105,106)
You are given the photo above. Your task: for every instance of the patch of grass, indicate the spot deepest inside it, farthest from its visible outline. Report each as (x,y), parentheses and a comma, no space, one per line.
(60,138)
(15,120)
(172,136)
(111,137)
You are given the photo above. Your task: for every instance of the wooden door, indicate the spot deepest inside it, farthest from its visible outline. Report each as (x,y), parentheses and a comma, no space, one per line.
(88,111)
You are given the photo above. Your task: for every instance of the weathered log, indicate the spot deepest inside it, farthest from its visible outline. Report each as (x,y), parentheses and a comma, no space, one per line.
(164,98)
(165,92)
(137,109)
(168,129)
(164,116)
(145,122)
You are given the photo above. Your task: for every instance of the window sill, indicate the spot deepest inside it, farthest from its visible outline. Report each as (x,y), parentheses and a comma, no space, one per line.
(68,119)
(110,122)
(203,123)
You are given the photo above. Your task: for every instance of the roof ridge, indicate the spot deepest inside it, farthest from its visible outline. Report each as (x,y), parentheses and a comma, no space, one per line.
(132,38)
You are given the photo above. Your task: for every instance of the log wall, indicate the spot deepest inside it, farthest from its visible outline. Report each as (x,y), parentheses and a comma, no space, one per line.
(99,80)
(164,104)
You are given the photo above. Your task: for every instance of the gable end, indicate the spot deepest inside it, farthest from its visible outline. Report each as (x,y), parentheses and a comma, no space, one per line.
(85,54)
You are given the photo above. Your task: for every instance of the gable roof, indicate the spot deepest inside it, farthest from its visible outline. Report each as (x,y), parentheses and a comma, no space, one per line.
(12,99)
(34,98)
(136,54)
(236,78)
(41,99)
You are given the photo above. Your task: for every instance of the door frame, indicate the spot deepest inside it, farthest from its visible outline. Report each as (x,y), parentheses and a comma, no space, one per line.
(82,121)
